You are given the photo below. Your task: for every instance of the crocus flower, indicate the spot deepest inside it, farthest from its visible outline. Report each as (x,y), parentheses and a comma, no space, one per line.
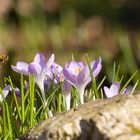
(5,92)
(38,68)
(113,90)
(56,72)
(21,67)
(78,74)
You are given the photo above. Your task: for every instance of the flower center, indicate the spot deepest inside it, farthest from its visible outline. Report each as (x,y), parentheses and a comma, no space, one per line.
(77,70)
(61,78)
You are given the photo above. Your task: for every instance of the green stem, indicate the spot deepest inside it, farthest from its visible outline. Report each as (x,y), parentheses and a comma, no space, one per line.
(22,105)
(94,86)
(4,120)
(9,122)
(31,89)
(15,98)
(59,103)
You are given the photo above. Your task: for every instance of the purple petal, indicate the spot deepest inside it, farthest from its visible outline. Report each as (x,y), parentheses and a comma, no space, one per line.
(57,69)
(81,64)
(113,91)
(49,73)
(21,67)
(66,87)
(83,75)
(50,62)
(34,68)
(96,67)
(5,92)
(40,59)
(115,88)
(107,92)
(17,92)
(75,67)
(71,66)
(125,91)
(70,76)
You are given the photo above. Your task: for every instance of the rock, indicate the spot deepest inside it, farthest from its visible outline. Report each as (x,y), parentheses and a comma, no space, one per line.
(117,118)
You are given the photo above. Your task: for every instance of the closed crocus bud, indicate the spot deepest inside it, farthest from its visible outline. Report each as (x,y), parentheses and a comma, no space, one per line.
(5,92)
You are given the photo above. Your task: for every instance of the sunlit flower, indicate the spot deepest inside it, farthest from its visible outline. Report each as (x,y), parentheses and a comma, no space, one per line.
(38,68)
(78,74)
(113,90)
(56,72)
(21,67)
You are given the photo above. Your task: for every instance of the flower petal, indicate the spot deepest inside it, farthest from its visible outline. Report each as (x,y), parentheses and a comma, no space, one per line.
(40,59)
(34,68)
(115,88)
(96,67)
(66,87)
(17,92)
(5,92)
(107,92)
(21,67)
(125,91)
(56,68)
(49,62)
(83,75)
(70,76)
(75,66)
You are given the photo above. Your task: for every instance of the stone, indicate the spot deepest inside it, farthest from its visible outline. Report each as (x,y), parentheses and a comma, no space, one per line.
(117,118)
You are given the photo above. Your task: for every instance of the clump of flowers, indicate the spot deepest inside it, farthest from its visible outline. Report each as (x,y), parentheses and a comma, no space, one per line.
(51,89)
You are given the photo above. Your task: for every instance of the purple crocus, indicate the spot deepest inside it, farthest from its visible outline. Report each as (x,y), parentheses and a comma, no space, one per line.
(78,74)
(113,90)
(5,92)
(56,72)
(38,68)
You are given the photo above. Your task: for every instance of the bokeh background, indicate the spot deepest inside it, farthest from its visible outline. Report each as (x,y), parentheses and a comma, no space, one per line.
(110,29)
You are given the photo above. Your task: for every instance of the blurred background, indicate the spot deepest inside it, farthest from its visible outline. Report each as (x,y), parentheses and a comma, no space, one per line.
(110,29)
